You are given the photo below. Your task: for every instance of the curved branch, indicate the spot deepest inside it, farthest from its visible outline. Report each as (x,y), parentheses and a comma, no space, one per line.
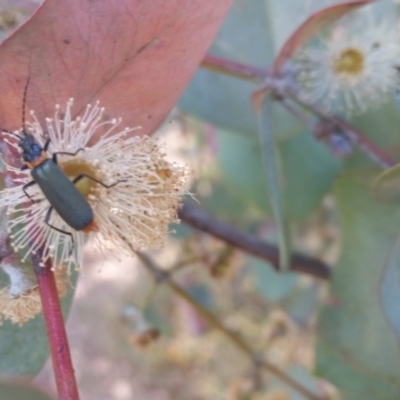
(198,219)
(275,84)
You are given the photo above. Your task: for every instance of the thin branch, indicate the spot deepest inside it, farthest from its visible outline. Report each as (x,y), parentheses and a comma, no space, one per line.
(371,149)
(234,69)
(247,72)
(338,143)
(60,354)
(164,277)
(198,219)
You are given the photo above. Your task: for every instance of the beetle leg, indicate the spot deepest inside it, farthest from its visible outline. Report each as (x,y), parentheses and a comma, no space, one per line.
(46,220)
(81,176)
(46,145)
(29,184)
(66,153)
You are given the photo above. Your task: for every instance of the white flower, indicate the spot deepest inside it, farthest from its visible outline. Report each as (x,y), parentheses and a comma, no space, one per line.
(26,304)
(355,67)
(133,214)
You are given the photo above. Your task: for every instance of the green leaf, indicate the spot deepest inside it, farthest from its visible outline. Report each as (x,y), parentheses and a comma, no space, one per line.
(19,391)
(271,284)
(382,127)
(301,375)
(386,187)
(240,161)
(224,100)
(358,348)
(24,349)
(390,288)
(308,169)
(226,203)
(353,384)
(303,303)
(221,99)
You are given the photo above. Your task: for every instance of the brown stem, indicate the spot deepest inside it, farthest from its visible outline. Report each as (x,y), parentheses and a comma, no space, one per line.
(247,72)
(58,342)
(198,219)
(371,149)
(233,68)
(377,154)
(164,277)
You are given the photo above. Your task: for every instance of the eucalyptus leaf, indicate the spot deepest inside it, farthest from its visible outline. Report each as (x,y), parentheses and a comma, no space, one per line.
(386,187)
(288,15)
(301,375)
(380,125)
(24,349)
(358,347)
(272,285)
(224,100)
(352,383)
(303,303)
(390,287)
(223,201)
(308,168)
(20,391)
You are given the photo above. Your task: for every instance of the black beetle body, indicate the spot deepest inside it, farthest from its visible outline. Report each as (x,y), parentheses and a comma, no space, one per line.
(59,190)
(63,195)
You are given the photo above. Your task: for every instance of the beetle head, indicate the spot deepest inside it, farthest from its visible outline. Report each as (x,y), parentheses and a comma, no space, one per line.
(31,150)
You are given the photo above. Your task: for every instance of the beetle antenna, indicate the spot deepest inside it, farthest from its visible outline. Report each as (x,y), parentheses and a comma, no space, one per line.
(23,105)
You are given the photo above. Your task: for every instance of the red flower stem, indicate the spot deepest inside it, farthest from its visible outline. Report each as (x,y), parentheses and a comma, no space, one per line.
(58,342)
